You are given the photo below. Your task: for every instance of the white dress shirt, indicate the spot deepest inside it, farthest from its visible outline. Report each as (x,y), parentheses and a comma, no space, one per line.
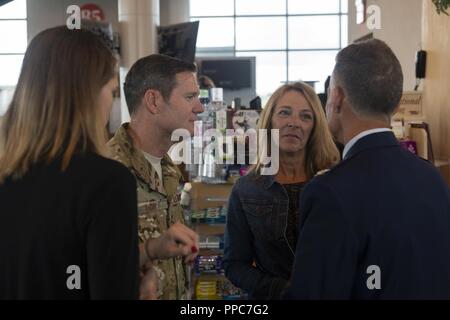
(352,142)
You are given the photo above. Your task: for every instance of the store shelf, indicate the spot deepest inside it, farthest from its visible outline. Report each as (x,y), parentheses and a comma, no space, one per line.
(209,195)
(210,252)
(209,229)
(209,277)
(208,205)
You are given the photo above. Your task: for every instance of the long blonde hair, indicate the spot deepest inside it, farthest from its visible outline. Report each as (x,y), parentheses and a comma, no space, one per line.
(321,152)
(54,111)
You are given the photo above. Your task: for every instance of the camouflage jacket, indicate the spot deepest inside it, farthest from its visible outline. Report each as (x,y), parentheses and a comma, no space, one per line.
(158,208)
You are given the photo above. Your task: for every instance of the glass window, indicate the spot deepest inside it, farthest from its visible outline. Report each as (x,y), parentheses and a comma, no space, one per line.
(344,6)
(260,7)
(10,66)
(344,31)
(211,8)
(215,32)
(13,43)
(16,9)
(313,7)
(215,52)
(311,66)
(270,70)
(314,32)
(260,33)
(13,36)
(6,94)
(307,32)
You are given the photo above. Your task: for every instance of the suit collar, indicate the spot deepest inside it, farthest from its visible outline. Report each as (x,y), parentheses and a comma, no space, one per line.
(360,135)
(376,140)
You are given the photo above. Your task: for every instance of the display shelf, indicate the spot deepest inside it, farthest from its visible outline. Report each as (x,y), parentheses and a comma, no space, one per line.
(209,276)
(208,216)
(210,252)
(216,287)
(205,229)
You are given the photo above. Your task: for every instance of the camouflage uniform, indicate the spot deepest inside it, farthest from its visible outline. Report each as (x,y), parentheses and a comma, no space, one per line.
(158,208)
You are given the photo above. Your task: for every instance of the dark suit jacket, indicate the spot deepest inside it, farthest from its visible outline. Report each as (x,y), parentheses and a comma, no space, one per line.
(382,207)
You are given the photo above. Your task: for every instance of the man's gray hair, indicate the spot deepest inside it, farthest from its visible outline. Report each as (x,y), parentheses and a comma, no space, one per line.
(371,77)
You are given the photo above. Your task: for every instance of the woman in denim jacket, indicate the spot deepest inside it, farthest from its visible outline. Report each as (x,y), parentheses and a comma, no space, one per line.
(262,225)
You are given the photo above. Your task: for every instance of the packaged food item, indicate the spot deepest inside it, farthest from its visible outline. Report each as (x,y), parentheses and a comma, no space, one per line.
(229,292)
(212,213)
(198,215)
(409,145)
(206,290)
(211,242)
(208,265)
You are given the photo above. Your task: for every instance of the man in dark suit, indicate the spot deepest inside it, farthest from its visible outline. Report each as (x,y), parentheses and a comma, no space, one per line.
(376,226)
(323,99)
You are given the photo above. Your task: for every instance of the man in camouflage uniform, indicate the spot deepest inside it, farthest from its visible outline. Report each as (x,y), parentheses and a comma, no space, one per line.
(162,95)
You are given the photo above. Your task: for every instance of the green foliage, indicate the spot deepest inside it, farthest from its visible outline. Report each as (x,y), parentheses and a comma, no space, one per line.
(441,6)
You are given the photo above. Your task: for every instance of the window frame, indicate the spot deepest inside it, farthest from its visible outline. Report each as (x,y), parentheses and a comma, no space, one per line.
(9,88)
(233,51)
(26,35)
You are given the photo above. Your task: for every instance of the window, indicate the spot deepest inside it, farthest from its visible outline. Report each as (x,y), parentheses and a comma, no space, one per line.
(13,43)
(291,39)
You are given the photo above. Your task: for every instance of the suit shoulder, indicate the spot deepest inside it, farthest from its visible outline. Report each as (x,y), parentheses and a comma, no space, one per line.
(322,172)
(325,174)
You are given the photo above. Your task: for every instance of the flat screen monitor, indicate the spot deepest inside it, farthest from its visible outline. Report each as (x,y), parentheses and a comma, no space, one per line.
(232,73)
(2,2)
(179,40)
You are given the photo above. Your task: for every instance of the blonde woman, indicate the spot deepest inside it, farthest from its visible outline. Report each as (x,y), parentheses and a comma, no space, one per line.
(262,225)
(68,224)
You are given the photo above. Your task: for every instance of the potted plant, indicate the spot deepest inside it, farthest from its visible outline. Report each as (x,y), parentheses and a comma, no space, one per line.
(441,6)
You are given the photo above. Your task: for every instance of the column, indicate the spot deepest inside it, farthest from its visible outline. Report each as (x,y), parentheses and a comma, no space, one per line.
(138,21)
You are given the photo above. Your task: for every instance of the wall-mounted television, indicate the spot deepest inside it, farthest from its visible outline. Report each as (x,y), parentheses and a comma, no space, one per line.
(2,2)
(233,73)
(179,40)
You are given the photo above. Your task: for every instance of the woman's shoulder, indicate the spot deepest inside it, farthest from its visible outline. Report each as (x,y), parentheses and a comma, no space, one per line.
(249,180)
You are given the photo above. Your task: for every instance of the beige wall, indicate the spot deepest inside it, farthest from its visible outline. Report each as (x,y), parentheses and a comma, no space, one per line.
(44,14)
(174,11)
(436,101)
(400,29)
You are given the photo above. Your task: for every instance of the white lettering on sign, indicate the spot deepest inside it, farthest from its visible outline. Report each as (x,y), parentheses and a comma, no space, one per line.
(92,12)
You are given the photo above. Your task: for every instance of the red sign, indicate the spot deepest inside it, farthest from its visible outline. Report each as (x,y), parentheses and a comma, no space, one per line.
(92,11)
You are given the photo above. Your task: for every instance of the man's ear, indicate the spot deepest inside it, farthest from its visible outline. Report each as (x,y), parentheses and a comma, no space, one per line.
(338,96)
(152,100)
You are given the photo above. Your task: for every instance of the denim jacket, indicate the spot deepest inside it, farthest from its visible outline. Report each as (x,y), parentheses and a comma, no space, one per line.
(257,256)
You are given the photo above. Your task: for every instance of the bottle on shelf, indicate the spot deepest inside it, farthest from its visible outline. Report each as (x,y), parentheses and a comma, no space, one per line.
(211,168)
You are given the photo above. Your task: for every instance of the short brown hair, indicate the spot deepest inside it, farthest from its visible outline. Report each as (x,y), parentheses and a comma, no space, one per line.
(156,71)
(371,77)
